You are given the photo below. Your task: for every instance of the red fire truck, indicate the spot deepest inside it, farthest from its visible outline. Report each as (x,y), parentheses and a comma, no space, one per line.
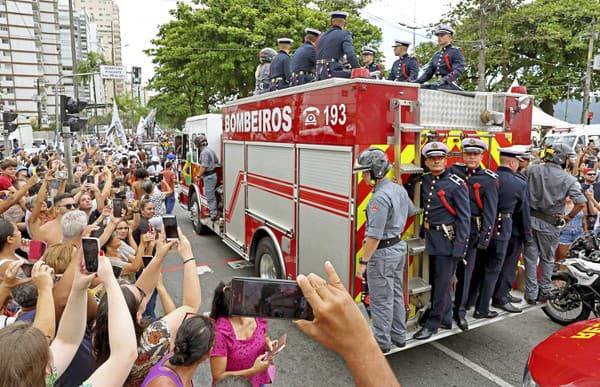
(287,193)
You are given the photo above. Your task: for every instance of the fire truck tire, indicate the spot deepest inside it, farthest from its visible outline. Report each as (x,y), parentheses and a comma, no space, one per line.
(266,260)
(195,215)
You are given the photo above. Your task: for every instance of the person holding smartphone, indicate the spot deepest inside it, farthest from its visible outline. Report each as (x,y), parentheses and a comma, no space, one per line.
(10,241)
(240,343)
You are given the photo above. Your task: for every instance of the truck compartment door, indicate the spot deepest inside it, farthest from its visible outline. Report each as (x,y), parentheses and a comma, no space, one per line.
(234,191)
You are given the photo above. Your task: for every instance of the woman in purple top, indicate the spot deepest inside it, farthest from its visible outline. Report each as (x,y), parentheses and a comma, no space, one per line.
(193,343)
(240,343)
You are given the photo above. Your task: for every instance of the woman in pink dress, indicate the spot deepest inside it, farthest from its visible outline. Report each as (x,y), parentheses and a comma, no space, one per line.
(240,343)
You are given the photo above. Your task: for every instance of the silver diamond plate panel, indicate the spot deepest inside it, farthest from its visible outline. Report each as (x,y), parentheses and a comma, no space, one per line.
(442,110)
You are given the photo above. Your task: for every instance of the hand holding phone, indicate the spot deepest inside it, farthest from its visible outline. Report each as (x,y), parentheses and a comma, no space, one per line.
(117,208)
(91,250)
(278,346)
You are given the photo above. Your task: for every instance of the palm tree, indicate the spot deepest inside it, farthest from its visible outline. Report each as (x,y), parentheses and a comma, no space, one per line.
(91,65)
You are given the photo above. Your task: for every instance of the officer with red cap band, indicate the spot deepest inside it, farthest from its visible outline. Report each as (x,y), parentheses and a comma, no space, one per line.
(446,224)
(483,199)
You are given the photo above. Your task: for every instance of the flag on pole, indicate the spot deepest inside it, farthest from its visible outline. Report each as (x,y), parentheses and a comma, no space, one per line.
(141,128)
(186,171)
(116,127)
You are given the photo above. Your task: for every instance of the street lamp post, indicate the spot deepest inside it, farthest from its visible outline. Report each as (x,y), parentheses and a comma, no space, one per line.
(413,28)
(67,131)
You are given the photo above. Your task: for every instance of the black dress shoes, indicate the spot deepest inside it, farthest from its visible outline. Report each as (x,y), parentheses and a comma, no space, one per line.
(462,324)
(490,314)
(512,299)
(510,308)
(530,301)
(446,326)
(399,344)
(424,334)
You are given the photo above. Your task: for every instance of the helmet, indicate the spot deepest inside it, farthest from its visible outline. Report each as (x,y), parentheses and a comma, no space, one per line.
(375,161)
(267,54)
(200,140)
(558,153)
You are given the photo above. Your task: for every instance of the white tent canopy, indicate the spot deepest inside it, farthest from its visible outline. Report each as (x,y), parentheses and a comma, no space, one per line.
(539,118)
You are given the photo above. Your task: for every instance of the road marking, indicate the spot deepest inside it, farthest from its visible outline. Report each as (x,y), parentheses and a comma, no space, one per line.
(240,264)
(475,367)
(203,269)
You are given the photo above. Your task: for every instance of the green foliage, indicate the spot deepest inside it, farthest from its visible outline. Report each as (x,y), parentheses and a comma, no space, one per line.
(541,43)
(208,54)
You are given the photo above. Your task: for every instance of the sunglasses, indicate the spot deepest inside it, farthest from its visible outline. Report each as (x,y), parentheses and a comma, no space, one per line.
(590,174)
(70,206)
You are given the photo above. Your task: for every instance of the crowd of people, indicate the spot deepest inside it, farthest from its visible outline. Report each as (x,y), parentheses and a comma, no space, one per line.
(330,54)
(69,325)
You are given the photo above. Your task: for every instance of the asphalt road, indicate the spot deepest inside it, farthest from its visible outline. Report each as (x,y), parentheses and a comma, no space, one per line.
(493,355)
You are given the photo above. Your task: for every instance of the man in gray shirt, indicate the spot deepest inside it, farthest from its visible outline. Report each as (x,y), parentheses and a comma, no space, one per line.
(384,252)
(549,185)
(208,160)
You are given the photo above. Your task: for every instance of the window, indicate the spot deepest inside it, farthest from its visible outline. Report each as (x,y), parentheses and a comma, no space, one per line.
(10,90)
(4,41)
(4,28)
(8,78)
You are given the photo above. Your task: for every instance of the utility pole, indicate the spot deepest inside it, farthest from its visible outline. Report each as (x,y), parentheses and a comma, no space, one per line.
(588,74)
(481,63)
(73,51)
(39,105)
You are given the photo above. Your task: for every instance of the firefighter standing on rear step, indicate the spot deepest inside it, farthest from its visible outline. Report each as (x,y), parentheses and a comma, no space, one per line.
(384,252)
(208,160)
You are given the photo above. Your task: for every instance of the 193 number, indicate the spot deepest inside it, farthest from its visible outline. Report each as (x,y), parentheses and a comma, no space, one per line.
(335,114)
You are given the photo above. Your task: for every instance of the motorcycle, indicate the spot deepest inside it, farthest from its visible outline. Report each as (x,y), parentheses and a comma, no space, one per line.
(577,284)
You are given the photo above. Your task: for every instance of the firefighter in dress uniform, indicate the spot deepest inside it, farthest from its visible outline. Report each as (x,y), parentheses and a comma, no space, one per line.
(304,62)
(446,223)
(405,68)
(447,65)
(549,185)
(281,66)
(208,160)
(262,74)
(332,45)
(512,199)
(375,69)
(502,298)
(384,251)
(483,198)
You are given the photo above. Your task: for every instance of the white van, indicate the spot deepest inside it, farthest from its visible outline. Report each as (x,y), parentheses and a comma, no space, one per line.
(579,135)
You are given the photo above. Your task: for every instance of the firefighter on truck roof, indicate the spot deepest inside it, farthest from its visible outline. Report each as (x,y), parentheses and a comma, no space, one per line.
(332,45)
(447,65)
(406,67)
(384,251)
(304,61)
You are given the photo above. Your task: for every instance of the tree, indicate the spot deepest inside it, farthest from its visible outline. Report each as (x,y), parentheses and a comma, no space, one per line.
(91,65)
(208,55)
(542,44)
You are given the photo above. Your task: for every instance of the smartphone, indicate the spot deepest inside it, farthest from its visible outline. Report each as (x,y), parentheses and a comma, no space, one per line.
(91,249)
(278,346)
(258,297)
(146,259)
(117,204)
(61,175)
(36,249)
(26,267)
(90,179)
(170,226)
(117,266)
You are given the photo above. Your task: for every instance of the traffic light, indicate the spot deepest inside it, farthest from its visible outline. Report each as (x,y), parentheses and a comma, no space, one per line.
(69,113)
(8,118)
(136,78)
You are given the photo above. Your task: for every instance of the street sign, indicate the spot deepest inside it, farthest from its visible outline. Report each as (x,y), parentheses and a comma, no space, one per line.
(113,72)
(596,62)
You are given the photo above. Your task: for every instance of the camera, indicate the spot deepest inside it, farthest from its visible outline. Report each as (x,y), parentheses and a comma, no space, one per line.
(156,179)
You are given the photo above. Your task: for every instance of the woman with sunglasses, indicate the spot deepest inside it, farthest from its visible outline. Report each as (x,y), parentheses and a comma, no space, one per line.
(155,339)
(193,343)
(240,344)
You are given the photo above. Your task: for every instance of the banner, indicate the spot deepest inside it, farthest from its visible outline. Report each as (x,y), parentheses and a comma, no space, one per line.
(116,127)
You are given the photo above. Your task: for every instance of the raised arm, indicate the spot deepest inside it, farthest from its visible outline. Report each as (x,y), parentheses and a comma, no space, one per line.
(45,319)
(121,333)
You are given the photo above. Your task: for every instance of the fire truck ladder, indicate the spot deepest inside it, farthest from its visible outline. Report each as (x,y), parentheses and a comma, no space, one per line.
(416,289)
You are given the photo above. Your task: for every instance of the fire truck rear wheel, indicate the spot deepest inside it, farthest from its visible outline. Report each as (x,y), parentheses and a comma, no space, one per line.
(266,261)
(195,215)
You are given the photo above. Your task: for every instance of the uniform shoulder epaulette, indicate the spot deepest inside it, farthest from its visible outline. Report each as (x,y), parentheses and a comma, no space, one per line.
(520,176)
(456,179)
(490,173)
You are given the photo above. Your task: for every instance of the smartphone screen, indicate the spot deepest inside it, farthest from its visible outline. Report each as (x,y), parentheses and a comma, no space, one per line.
(36,249)
(278,346)
(170,226)
(91,249)
(90,179)
(146,259)
(26,267)
(257,297)
(117,207)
